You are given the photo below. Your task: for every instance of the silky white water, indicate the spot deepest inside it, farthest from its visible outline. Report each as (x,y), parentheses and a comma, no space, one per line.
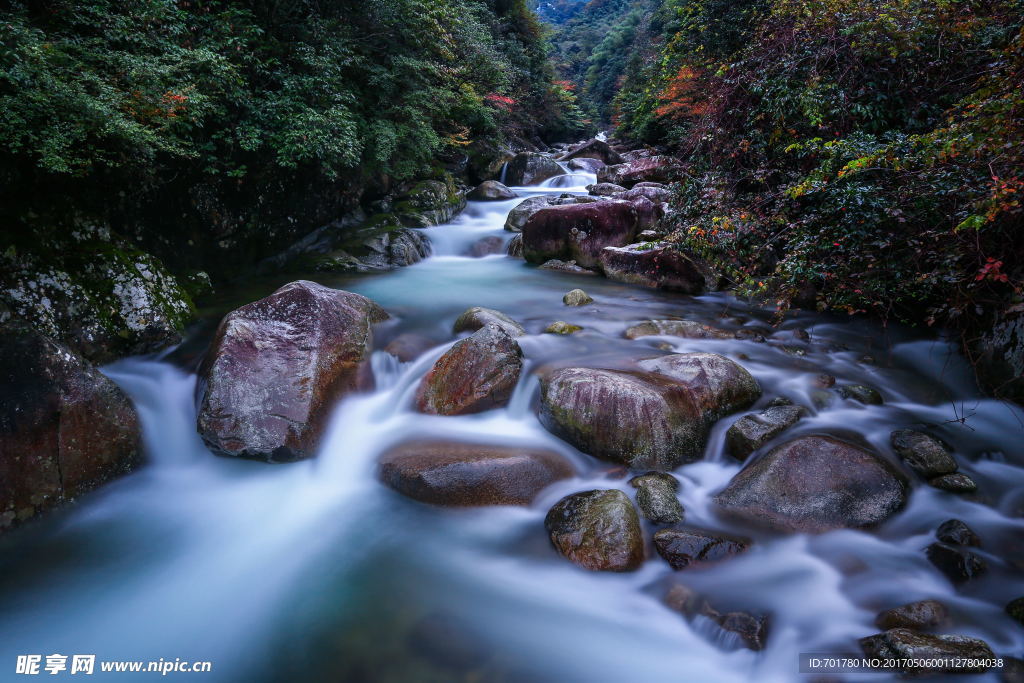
(315,571)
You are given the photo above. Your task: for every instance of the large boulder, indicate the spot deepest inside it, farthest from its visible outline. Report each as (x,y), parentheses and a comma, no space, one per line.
(466,474)
(660,169)
(658,264)
(594,149)
(518,216)
(579,232)
(477,317)
(276,366)
(815,484)
(476,374)
(531,168)
(490,191)
(64,427)
(654,420)
(597,530)
(586,164)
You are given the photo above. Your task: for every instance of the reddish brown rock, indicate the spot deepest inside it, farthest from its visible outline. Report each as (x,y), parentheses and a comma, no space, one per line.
(654,420)
(465,474)
(64,427)
(409,346)
(597,530)
(276,367)
(815,484)
(478,373)
(658,264)
(660,169)
(657,195)
(578,232)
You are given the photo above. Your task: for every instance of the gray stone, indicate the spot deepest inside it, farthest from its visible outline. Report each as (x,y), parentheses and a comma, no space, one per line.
(597,530)
(472,319)
(656,497)
(751,432)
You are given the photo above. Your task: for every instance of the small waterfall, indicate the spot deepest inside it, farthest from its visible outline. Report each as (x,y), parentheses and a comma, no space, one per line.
(504,171)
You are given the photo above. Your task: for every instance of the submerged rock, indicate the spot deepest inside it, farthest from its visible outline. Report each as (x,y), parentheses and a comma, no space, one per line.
(861,394)
(490,191)
(1015,608)
(473,319)
(956,562)
(485,246)
(751,628)
(815,484)
(920,650)
(658,265)
(565,267)
(656,497)
(925,454)
(920,616)
(65,427)
(751,432)
(478,373)
(654,420)
(577,297)
(578,232)
(465,474)
(597,530)
(955,532)
(408,346)
(687,329)
(684,548)
(531,168)
(562,327)
(277,365)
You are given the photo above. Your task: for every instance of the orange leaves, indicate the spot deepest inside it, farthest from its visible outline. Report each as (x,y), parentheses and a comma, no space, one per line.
(680,97)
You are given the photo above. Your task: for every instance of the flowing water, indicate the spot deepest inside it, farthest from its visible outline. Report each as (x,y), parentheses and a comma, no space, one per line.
(315,571)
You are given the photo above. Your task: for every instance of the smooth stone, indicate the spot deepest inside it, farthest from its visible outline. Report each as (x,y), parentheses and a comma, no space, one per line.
(409,346)
(751,432)
(957,482)
(905,644)
(478,373)
(490,191)
(1015,608)
(577,297)
(475,318)
(465,474)
(486,246)
(923,453)
(959,565)
(860,393)
(684,548)
(597,530)
(562,327)
(920,616)
(687,329)
(604,189)
(565,267)
(955,532)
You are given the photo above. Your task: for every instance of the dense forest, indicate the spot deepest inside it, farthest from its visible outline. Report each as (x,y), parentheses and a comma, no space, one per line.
(849,155)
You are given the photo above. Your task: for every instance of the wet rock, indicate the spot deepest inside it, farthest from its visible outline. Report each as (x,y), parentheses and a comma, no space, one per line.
(565,267)
(903,643)
(920,616)
(954,483)
(430,202)
(276,367)
(518,216)
(687,329)
(751,432)
(1015,608)
(649,215)
(656,497)
(490,191)
(1012,671)
(597,530)
(684,548)
(605,189)
(578,231)
(814,484)
(486,246)
(660,186)
(657,195)
(408,347)
(594,149)
(515,246)
(473,319)
(65,428)
(562,327)
(659,265)
(478,373)
(656,420)
(925,454)
(861,394)
(958,564)
(752,629)
(657,168)
(465,474)
(577,297)
(586,164)
(955,532)
(824,381)
(531,168)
